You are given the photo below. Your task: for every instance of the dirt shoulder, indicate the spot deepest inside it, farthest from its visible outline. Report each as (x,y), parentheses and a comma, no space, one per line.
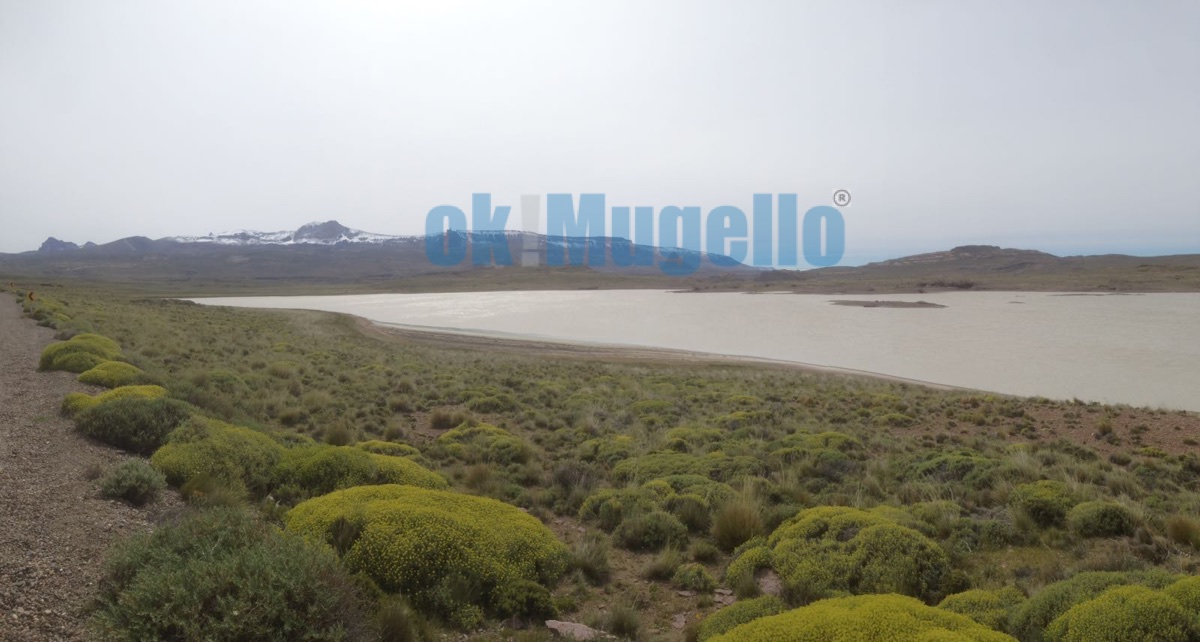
(54,525)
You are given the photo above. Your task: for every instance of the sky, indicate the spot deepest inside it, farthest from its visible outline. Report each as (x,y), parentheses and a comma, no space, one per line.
(1070,126)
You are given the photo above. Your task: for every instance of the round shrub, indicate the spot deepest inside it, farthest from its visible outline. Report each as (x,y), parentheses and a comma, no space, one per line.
(647,467)
(75,362)
(1033,616)
(136,425)
(714,493)
(388,448)
(443,550)
(237,458)
(509,450)
(863,618)
(826,550)
(606,450)
(134,481)
(320,469)
(524,599)
(401,470)
(651,531)
(739,613)
(77,402)
(86,349)
(692,510)
(609,506)
(989,608)
(1121,614)
(1045,502)
(694,577)
(1101,519)
(220,574)
(747,564)
(1186,592)
(113,374)
(483,443)
(493,404)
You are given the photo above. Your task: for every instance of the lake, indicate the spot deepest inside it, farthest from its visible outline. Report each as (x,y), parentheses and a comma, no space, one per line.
(1137,349)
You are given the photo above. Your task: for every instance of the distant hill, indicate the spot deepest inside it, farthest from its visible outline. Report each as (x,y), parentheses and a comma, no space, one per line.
(322,252)
(988,267)
(326,233)
(328,256)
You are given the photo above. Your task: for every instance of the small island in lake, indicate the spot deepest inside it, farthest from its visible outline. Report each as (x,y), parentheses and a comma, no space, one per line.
(888,304)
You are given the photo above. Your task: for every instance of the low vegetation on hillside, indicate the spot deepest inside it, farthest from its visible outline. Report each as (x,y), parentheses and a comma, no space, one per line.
(403,492)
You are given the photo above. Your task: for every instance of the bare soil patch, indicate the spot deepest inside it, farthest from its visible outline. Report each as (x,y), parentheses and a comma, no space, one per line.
(54,525)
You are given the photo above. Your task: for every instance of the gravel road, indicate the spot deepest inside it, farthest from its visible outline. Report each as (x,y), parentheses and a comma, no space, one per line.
(54,525)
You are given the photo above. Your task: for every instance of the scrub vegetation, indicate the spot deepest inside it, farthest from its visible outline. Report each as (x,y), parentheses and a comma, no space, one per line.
(401,490)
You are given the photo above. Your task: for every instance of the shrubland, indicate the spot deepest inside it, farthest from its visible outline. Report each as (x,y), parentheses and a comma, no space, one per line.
(865,617)
(224,574)
(458,488)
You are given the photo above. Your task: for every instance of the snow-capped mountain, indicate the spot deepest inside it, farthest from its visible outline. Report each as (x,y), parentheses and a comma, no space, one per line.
(330,251)
(326,233)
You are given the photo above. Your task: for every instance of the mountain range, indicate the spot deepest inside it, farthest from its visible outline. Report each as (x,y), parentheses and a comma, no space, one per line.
(322,251)
(329,253)
(321,233)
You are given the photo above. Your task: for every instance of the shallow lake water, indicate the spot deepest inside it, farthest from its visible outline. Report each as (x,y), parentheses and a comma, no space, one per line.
(1138,349)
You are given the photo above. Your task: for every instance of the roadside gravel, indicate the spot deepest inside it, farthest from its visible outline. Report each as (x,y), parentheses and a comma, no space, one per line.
(54,525)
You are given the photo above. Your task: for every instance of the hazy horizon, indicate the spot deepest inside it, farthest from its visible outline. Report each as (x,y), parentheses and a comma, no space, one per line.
(850,259)
(1067,127)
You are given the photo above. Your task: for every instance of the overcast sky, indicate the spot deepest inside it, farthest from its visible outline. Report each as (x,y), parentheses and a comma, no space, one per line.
(1067,126)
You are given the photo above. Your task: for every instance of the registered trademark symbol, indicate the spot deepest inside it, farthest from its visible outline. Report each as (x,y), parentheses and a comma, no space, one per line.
(841,198)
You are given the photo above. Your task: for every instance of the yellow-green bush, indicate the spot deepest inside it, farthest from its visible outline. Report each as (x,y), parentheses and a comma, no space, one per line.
(1187,593)
(694,577)
(238,458)
(446,551)
(319,469)
(1045,501)
(739,613)
(82,350)
(1032,617)
(1101,519)
(715,465)
(656,465)
(650,531)
(1123,614)
(113,374)
(609,506)
(388,448)
(76,402)
(801,442)
(484,443)
(747,564)
(402,470)
(224,574)
(990,608)
(688,497)
(47,312)
(825,551)
(136,425)
(864,618)
(714,493)
(606,450)
(692,437)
